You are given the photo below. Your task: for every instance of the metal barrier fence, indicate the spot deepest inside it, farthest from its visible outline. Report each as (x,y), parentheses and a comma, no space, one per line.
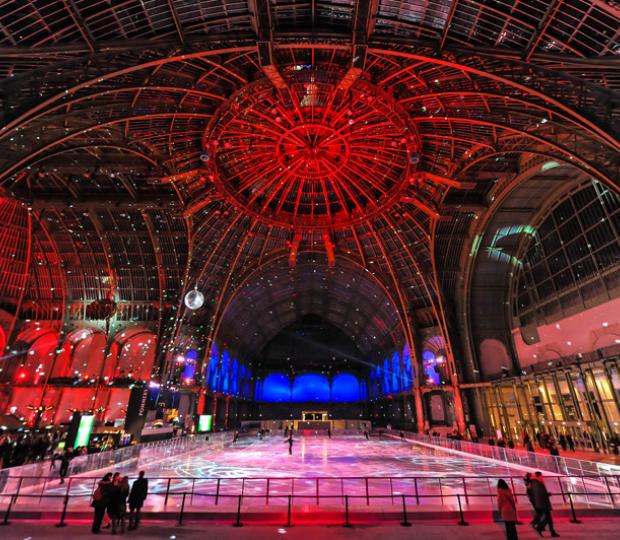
(42,472)
(600,491)
(402,503)
(532,460)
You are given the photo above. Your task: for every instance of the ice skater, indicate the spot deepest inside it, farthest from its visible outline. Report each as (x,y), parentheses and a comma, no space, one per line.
(290,444)
(329,432)
(366,434)
(236,436)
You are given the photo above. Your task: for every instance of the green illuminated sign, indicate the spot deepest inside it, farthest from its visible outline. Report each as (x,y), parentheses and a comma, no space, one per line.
(84,429)
(205,422)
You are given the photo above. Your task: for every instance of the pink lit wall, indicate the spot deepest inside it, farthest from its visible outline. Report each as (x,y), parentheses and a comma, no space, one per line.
(587,331)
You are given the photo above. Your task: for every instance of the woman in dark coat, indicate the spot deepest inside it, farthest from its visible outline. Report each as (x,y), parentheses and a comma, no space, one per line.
(101,499)
(117,502)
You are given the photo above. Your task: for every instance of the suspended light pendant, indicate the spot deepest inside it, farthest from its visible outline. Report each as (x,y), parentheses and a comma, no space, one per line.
(194,299)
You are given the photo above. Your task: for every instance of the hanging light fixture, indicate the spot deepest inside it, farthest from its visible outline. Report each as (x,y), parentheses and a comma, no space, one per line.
(194,299)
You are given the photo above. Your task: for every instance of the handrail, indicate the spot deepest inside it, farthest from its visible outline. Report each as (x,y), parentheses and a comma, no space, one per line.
(290,500)
(523,458)
(419,487)
(361,477)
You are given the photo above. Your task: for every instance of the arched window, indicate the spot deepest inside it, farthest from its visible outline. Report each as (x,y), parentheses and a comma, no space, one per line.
(407,368)
(386,379)
(311,387)
(213,368)
(572,258)
(396,374)
(234,377)
(134,353)
(345,387)
(224,382)
(275,387)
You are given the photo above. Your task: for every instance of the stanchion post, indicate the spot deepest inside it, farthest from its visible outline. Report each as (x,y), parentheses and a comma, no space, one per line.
(346,512)
(288,516)
(182,510)
(405,521)
(462,521)
(611,495)
(217,491)
(167,492)
(8,511)
(561,489)
(64,513)
(238,522)
(572,509)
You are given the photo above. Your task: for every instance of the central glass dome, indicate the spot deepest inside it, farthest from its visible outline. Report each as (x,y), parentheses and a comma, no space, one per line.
(311,155)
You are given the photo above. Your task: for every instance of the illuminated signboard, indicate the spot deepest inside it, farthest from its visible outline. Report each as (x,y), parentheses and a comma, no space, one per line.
(205,422)
(84,429)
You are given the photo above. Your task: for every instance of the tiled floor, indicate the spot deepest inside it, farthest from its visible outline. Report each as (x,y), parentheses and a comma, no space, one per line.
(605,529)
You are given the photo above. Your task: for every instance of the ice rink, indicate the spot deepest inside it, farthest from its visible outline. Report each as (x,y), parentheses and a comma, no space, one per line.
(214,474)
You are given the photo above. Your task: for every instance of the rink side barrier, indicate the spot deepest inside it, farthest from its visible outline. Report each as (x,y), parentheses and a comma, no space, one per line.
(403,511)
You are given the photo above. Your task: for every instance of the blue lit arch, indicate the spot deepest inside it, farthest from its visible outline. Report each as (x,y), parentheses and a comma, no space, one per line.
(407,368)
(213,368)
(396,378)
(275,387)
(311,387)
(345,387)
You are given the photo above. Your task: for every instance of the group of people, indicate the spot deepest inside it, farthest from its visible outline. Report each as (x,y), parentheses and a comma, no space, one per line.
(16,450)
(539,498)
(111,498)
(23,449)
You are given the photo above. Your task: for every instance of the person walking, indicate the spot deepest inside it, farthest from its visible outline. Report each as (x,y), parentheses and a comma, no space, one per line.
(507,507)
(562,441)
(100,502)
(542,503)
(529,446)
(571,442)
(530,497)
(64,465)
(139,492)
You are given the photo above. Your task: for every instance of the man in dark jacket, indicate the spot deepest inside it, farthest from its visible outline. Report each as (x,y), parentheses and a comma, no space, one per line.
(542,503)
(101,499)
(65,459)
(139,491)
(530,496)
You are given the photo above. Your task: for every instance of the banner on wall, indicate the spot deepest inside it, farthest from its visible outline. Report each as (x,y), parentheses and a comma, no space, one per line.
(136,412)
(80,428)
(205,423)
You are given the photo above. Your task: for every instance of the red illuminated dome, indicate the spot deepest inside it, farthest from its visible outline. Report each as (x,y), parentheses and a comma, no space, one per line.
(311,155)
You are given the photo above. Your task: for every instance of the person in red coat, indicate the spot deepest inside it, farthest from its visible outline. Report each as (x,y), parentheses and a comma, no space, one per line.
(507,507)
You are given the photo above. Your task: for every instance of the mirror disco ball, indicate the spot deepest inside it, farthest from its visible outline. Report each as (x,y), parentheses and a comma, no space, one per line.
(194,299)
